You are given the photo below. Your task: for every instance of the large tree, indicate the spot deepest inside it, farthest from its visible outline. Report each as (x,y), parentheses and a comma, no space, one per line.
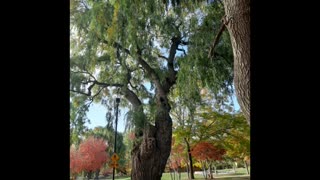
(120,47)
(236,19)
(127,60)
(238,25)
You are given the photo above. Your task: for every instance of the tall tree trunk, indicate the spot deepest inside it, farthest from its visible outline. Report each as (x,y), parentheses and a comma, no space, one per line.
(171,174)
(246,166)
(238,14)
(97,174)
(187,170)
(210,171)
(203,170)
(89,175)
(150,156)
(190,159)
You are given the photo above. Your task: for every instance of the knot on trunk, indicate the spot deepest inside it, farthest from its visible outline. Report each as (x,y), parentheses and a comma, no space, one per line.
(147,147)
(149,142)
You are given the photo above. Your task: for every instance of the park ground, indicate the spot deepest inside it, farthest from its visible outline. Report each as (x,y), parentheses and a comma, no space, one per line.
(240,174)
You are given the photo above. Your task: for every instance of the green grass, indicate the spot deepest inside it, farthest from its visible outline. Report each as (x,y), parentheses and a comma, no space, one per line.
(239,175)
(184,176)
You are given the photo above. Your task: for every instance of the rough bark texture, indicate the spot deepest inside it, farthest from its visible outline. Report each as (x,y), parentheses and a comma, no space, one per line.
(238,14)
(150,157)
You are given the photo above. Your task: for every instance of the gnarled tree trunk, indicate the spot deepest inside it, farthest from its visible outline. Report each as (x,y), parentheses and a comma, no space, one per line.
(238,17)
(150,157)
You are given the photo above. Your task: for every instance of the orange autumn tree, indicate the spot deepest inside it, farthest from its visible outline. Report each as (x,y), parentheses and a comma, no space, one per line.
(207,153)
(175,159)
(75,163)
(90,157)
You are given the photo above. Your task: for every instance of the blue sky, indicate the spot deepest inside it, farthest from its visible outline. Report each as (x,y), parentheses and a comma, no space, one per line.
(97,114)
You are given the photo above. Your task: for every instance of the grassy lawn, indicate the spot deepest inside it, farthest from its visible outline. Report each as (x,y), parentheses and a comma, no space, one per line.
(240,174)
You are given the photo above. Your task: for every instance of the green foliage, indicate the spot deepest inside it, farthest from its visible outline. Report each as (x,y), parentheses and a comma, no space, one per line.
(107,134)
(78,119)
(102,33)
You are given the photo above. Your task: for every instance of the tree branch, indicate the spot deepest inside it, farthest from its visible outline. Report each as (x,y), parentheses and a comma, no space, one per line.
(160,56)
(83,93)
(184,42)
(116,45)
(84,4)
(171,77)
(217,38)
(132,98)
(96,94)
(182,51)
(150,71)
(96,83)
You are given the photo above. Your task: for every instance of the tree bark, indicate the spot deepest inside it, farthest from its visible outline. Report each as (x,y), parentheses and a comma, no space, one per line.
(238,17)
(190,159)
(150,156)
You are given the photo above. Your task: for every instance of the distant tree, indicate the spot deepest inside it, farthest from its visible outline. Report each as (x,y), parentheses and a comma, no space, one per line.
(206,153)
(90,157)
(75,163)
(176,159)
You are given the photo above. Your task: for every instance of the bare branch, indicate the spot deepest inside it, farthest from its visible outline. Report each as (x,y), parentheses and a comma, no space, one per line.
(87,94)
(184,42)
(85,72)
(108,84)
(160,56)
(132,98)
(182,50)
(133,87)
(84,4)
(150,71)
(96,94)
(217,38)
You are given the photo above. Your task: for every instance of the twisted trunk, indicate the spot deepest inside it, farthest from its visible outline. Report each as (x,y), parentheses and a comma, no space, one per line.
(150,156)
(238,17)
